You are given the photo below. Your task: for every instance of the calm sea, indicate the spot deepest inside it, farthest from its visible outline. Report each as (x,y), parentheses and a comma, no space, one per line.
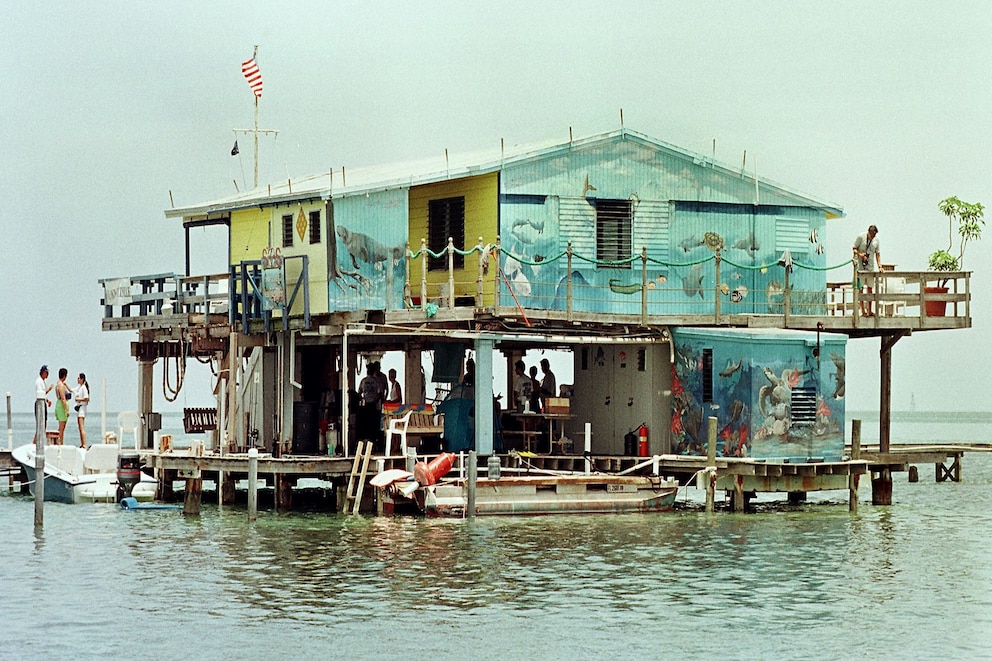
(913,580)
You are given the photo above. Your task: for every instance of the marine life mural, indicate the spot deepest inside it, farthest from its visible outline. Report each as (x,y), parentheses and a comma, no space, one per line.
(365,260)
(770,397)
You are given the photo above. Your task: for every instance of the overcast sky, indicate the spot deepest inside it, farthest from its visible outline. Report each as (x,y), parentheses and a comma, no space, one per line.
(883,108)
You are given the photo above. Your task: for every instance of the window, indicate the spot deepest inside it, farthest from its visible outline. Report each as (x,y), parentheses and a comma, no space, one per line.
(287,231)
(707,375)
(613,231)
(314,227)
(445,218)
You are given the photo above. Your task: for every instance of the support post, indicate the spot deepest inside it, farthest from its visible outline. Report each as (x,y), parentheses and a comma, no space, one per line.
(40,406)
(588,447)
(711,465)
(738,497)
(853,478)
(10,426)
(194,496)
(473,474)
(252,484)
(484,442)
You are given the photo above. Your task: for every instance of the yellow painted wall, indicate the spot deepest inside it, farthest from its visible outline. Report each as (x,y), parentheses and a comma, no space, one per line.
(253,230)
(481,219)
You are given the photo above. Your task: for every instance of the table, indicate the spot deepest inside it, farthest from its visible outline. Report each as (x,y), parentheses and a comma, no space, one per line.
(529,422)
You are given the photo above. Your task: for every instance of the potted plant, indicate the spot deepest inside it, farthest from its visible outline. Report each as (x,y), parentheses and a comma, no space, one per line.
(970,219)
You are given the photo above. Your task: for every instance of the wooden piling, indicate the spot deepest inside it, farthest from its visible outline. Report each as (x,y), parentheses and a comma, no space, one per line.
(39,462)
(738,497)
(852,478)
(252,484)
(471,476)
(194,496)
(711,465)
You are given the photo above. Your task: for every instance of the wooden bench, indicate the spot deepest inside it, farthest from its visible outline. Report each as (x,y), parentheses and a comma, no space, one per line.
(420,423)
(196,421)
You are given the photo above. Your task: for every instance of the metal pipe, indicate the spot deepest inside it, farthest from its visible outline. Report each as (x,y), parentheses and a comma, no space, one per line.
(473,469)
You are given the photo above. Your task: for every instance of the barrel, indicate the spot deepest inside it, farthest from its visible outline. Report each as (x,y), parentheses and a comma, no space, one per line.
(630,444)
(430,473)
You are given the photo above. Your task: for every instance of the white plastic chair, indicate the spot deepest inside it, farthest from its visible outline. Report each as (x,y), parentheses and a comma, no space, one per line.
(397,427)
(128,420)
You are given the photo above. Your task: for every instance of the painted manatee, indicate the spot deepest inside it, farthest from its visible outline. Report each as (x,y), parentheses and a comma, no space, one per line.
(363,247)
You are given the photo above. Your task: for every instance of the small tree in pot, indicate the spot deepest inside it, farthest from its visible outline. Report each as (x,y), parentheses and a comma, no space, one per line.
(970,219)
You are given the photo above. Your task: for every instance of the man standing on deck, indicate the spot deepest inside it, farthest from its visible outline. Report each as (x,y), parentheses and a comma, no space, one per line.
(41,401)
(868,257)
(549,384)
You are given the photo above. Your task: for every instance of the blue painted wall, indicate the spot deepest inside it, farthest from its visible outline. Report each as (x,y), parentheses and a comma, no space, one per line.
(682,209)
(753,379)
(370,233)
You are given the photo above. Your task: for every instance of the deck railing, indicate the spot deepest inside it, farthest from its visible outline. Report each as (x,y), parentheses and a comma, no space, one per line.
(637,289)
(641,287)
(166,294)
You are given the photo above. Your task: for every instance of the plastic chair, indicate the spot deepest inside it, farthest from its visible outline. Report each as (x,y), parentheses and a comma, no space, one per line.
(129,420)
(397,427)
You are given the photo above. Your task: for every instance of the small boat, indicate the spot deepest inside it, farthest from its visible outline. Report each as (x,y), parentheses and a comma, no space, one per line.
(81,475)
(577,493)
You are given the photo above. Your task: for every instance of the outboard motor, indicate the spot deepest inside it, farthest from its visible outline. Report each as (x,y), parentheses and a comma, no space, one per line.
(128,473)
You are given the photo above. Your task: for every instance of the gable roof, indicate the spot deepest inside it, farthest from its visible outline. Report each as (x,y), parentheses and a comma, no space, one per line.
(344,182)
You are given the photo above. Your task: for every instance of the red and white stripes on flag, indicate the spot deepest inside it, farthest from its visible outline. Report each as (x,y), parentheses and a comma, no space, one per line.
(253,75)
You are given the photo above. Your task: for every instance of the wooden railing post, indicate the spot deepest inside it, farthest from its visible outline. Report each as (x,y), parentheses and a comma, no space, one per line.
(406,282)
(497,268)
(644,286)
(423,274)
(568,284)
(482,267)
(716,290)
(787,300)
(451,273)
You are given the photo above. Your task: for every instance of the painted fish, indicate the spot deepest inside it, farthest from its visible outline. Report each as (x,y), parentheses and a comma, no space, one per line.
(813,238)
(731,368)
(739,294)
(724,288)
(617,287)
(661,280)
(748,243)
(690,243)
(692,282)
(819,249)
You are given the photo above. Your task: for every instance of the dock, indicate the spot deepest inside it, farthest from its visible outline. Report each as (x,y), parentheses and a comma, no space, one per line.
(740,478)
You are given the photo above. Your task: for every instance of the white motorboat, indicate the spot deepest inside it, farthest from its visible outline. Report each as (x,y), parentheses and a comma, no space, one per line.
(78,475)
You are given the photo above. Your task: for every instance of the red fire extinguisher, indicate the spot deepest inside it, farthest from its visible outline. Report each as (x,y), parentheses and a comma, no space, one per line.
(642,440)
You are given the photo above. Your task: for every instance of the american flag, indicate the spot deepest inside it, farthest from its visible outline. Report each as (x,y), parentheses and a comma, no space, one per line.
(253,75)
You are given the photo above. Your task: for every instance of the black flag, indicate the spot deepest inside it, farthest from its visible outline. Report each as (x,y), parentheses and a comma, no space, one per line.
(234,151)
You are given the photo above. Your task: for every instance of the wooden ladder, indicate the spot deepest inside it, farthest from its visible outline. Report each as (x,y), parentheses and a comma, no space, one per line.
(354,493)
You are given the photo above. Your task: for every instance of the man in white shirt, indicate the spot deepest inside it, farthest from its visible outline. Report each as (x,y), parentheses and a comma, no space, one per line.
(868,257)
(41,402)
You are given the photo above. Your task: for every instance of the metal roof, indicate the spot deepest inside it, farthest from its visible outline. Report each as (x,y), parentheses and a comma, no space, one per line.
(342,182)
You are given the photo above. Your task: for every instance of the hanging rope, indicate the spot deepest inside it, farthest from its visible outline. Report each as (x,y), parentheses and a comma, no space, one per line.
(171,393)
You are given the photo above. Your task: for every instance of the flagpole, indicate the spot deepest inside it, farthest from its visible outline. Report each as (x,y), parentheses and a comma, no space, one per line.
(253,76)
(254,56)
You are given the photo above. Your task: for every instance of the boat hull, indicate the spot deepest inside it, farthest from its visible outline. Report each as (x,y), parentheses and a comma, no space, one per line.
(65,486)
(565,494)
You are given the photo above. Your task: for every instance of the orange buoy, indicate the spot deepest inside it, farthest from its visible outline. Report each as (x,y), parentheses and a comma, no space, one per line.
(428,474)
